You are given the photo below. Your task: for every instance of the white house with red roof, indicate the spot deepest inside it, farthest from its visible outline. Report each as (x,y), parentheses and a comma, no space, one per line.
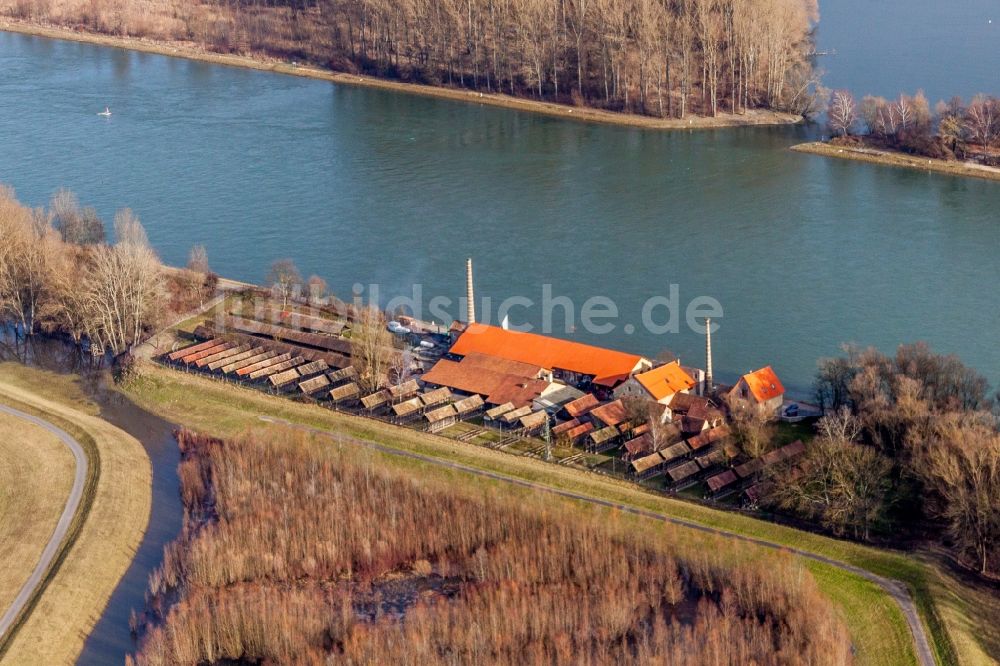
(761,387)
(660,384)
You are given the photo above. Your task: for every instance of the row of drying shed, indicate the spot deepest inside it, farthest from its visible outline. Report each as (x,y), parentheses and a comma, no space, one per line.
(289,373)
(746,472)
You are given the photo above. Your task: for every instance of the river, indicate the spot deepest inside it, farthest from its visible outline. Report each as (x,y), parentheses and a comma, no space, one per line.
(365,186)
(359,185)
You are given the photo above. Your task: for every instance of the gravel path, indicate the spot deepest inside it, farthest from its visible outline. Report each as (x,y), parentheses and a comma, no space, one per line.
(72,504)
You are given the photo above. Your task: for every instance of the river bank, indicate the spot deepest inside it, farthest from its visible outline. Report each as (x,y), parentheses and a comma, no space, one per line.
(191,51)
(897,159)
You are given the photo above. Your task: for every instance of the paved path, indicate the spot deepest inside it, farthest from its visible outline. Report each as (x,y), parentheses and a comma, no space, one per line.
(72,504)
(893,588)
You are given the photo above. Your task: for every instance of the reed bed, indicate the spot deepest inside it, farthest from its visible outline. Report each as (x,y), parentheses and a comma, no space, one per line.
(293,552)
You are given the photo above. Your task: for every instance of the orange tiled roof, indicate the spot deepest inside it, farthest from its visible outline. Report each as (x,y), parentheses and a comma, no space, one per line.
(580,430)
(581,405)
(547,352)
(666,380)
(764,384)
(610,414)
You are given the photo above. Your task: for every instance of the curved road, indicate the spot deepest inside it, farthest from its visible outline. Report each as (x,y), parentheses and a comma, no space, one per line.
(65,520)
(893,588)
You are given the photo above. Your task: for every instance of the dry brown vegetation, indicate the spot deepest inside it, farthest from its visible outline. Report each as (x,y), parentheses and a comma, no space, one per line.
(292,553)
(663,58)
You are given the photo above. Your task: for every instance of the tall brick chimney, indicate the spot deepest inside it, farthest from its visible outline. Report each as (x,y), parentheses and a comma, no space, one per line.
(470,296)
(708,355)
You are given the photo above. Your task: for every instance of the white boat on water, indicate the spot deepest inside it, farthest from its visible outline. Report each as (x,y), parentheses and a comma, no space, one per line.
(105,112)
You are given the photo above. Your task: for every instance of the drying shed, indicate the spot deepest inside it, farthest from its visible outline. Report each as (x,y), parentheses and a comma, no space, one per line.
(223,354)
(435,397)
(708,437)
(313,367)
(638,447)
(712,458)
(533,421)
(515,414)
(721,480)
(581,406)
(404,391)
(648,466)
(349,373)
(565,426)
(603,439)
(284,378)
(408,408)
(579,431)
(467,406)
(271,370)
(496,412)
(375,400)
(312,385)
(259,354)
(749,468)
(208,351)
(610,414)
(441,418)
(282,333)
(193,349)
(344,393)
(682,472)
(676,451)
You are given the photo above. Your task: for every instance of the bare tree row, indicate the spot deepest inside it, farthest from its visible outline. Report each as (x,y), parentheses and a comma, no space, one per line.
(912,440)
(57,274)
(953,130)
(664,58)
(659,57)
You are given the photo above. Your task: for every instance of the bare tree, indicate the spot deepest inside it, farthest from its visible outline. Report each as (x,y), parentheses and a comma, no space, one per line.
(752,424)
(26,251)
(373,351)
(842,112)
(840,483)
(960,462)
(284,279)
(317,289)
(122,287)
(982,119)
(198,260)
(80,226)
(65,307)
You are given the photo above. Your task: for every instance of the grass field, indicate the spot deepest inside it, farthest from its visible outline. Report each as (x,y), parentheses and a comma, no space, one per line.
(875,622)
(119,497)
(36,474)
